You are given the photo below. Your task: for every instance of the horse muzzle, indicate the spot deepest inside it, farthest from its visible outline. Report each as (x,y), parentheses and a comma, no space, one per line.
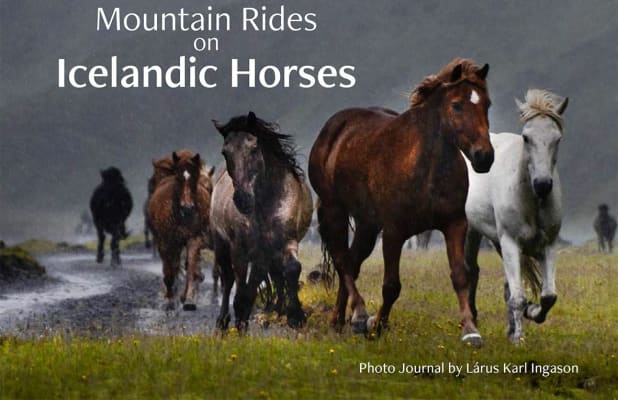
(244,202)
(186,212)
(482,161)
(542,187)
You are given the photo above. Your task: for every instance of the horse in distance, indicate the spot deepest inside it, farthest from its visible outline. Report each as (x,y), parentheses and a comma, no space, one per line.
(518,207)
(401,174)
(261,210)
(179,214)
(110,205)
(605,227)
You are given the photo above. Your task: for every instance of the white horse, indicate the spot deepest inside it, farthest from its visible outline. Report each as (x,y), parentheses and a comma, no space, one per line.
(517,205)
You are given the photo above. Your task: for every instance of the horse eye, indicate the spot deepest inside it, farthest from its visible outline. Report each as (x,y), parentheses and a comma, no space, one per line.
(526,140)
(457,106)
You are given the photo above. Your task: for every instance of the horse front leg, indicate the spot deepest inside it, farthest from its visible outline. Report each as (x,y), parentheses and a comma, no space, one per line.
(471,252)
(291,272)
(115,247)
(223,265)
(537,312)
(193,275)
(170,255)
(513,291)
(243,300)
(392,243)
(100,244)
(455,236)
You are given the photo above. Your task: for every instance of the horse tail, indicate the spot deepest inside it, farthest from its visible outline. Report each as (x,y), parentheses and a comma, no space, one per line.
(531,272)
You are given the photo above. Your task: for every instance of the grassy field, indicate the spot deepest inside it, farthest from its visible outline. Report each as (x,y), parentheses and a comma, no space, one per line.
(315,362)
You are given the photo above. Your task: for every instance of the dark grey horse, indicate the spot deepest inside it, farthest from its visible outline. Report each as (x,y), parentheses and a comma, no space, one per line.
(261,209)
(111,204)
(605,227)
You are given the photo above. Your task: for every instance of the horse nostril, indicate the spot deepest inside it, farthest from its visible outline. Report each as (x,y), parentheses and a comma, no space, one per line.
(542,186)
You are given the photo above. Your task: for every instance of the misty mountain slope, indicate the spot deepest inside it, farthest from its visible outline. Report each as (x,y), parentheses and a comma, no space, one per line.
(53,141)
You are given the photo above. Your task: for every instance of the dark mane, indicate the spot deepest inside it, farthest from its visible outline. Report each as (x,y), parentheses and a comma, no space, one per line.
(279,145)
(432,82)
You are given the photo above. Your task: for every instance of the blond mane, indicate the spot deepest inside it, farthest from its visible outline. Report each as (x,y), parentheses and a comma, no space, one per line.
(540,102)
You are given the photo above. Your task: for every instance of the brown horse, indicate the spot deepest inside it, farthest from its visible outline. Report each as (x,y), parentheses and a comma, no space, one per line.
(179,211)
(401,174)
(261,210)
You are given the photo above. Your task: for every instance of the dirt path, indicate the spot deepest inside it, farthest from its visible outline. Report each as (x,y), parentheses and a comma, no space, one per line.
(80,297)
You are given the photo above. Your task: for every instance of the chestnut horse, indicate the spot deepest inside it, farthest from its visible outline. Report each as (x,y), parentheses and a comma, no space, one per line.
(401,174)
(179,211)
(261,210)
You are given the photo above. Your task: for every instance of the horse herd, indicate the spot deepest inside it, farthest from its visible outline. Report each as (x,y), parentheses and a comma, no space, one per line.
(434,166)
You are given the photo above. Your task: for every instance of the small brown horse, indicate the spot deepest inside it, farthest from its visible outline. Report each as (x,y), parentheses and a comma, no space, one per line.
(402,174)
(179,212)
(261,210)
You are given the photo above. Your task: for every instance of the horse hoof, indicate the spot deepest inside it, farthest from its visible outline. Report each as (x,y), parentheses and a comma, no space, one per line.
(372,324)
(242,326)
(169,305)
(516,340)
(296,319)
(189,307)
(359,326)
(223,322)
(473,339)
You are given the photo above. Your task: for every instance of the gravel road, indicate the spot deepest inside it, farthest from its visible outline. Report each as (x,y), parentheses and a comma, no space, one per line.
(80,297)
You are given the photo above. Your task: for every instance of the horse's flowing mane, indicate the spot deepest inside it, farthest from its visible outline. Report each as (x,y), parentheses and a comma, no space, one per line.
(540,102)
(432,82)
(279,145)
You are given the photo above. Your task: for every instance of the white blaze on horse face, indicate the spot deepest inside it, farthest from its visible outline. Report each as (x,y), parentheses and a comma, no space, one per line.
(474,97)
(186,174)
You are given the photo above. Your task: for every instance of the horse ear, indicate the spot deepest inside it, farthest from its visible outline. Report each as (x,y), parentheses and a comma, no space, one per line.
(211,172)
(196,159)
(520,105)
(219,126)
(456,74)
(175,157)
(251,118)
(560,109)
(482,73)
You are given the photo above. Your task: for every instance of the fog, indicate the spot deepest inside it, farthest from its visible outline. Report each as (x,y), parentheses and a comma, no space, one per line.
(53,141)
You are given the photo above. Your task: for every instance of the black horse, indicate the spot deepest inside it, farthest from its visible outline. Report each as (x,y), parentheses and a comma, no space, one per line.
(111,204)
(605,227)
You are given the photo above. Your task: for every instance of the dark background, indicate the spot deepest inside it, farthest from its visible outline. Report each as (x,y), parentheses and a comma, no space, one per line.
(53,141)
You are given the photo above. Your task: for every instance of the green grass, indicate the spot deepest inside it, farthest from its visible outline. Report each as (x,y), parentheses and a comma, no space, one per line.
(582,329)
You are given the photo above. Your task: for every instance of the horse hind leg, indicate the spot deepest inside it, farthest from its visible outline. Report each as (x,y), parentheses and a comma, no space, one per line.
(365,237)
(471,251)
(333,226)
